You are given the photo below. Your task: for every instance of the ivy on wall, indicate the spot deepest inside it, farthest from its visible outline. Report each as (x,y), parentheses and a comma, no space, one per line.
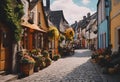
(10,13)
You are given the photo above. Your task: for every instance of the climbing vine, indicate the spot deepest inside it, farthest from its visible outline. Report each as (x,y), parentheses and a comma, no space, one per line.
(10,13)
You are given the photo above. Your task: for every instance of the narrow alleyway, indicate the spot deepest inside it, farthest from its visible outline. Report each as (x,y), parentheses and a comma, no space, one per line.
(77,68)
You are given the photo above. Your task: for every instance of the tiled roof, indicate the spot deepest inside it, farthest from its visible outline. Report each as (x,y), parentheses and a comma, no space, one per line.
(75,25)
(83,23)
(32,3)
(55,17)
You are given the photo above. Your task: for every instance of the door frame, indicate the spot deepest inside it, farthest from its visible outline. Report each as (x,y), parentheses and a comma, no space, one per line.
(116,38)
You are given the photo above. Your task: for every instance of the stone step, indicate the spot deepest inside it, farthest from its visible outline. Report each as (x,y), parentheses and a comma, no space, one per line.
(7,78)
(2,72)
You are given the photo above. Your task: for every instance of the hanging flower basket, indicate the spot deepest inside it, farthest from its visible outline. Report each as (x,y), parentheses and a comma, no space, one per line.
(69,33)
(53,33)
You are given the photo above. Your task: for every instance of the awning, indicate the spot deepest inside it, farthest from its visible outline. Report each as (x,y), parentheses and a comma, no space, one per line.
(32,26)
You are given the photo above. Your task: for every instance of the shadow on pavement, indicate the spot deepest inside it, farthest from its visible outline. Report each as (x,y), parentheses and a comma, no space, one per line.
(84,73)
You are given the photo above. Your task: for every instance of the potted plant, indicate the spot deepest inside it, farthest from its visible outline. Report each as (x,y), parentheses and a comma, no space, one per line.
(48,61)
(36,54)
(45,54)
(27,65)
(56,57)
(46,58)
(40,62)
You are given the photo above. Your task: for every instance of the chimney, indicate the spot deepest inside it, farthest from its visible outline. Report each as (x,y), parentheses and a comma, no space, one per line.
(48,4)
(84,17)
(88,15)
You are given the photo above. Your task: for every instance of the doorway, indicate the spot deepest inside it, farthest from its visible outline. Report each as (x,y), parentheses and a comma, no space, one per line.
(5,49)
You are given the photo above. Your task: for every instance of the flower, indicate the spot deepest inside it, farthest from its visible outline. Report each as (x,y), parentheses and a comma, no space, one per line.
(27,59)
(69,33)
(53,33)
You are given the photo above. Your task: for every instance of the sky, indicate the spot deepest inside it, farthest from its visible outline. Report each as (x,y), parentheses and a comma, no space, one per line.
(74,10)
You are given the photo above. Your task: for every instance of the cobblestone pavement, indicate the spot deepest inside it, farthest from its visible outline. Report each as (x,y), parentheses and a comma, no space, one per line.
(76,68)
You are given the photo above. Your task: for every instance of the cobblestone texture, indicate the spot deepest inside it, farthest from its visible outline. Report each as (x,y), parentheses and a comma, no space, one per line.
(76,68)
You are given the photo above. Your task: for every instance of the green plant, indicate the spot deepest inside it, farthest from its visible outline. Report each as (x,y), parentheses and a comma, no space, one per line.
(26,59)
(45,54)
(51,34)
(56,57)
(10,13)
(48,61)
(40,61)
(61,38)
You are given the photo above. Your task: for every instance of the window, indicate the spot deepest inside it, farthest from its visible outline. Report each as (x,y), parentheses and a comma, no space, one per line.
(101,11)
(106,4)
(116,2)
(25,39)
(104,40)
(31,18)
(42,39)
(44,2)
(39,22)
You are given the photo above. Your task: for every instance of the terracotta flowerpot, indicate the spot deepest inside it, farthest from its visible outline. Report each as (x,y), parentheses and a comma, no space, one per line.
(27,69)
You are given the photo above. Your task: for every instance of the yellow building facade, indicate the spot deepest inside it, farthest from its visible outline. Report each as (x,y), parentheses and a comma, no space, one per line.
(115,24)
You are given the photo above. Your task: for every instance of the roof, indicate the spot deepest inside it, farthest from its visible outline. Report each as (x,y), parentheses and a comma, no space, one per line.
(84,23)
(55,17)
(92,21)
(32,26)
(75,25)
(32,3)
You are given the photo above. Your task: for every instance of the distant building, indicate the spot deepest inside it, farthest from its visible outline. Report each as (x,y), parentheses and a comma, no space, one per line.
(75,28)
(91,32)
(83,28)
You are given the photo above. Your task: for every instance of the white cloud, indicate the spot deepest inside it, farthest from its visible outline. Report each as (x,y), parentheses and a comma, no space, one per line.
(85,2)
(72,12)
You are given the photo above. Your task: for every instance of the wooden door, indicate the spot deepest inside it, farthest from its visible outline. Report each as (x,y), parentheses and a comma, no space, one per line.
(2,54)
(5,50)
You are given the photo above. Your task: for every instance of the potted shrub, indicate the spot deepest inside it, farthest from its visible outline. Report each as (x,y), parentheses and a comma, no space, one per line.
(56,57)
(27,65)
(40,62)
(36,54)
(46,58)
(48,61)
(45,54)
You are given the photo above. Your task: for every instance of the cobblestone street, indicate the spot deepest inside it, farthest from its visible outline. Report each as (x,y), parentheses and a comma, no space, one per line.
(76,68)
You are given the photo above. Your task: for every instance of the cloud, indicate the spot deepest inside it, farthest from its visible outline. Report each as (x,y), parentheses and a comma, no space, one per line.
(85,2)
(72,12)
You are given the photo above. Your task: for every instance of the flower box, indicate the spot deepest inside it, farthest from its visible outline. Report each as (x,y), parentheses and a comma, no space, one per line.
(27,69)
(27,65)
